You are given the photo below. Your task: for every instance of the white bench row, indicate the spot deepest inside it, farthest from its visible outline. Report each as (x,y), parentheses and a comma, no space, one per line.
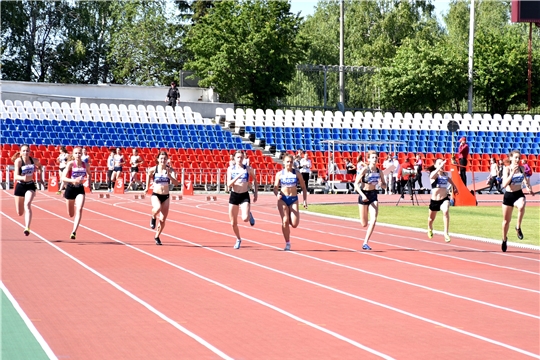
(389,121)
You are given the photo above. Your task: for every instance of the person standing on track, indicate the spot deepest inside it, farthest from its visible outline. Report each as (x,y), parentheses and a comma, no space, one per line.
(110,170)
(162,175)
(75,174)
(440,198)
(62,160)
(135,162)
(365,184)
(513,177)
(25,191)
(285,189)
(238,176)
(118,159)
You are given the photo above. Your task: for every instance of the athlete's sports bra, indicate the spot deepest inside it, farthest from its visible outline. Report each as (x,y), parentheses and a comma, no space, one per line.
(161,179)
(77,172)
(288,179)
(372,178)
(517,178)
(27,170)
(237,171)
(440,182)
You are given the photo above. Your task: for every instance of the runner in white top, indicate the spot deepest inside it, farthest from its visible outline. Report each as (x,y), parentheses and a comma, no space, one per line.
(135,161)
(118,163)
(25,191)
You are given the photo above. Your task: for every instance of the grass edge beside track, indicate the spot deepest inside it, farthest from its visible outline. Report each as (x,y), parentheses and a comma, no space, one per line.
(422,230)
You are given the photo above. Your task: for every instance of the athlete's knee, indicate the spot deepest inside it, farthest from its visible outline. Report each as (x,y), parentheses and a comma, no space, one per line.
(294,225)
(364,223)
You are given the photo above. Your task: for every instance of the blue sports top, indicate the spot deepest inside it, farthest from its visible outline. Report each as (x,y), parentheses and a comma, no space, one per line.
(27,170)
(161,179)
(517,178)
(440,182)
(288,179)
(372,178)
(235,171)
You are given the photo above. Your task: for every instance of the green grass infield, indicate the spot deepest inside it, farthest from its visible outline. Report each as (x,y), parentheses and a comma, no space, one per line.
(481,221)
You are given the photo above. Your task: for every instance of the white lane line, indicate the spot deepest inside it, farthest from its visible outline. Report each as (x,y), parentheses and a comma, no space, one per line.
(228,288)
(388,307)
(361,253)
(48,351)
(132,296)
(536,273)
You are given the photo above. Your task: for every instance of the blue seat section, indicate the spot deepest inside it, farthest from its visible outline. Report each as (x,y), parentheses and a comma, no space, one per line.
(440,141)
(88,133)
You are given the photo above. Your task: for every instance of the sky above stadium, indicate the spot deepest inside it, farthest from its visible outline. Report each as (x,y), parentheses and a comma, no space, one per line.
(307,7)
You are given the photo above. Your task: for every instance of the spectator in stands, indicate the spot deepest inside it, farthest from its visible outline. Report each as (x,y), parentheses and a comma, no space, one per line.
(296,162)
(406,177)
(350,168)
(162,176)
(440,197)
(365,184)
(62,160)
(173,96)
(463,155)
(238,177)
(494,176)
(85,157)
(389,176)
(501,166)
(396,188)
(118,159)
(418,165)
(231,160)
(360,163)
(285,189)
(305,169)
(526,168)
(75,175)
(513,178)
(135,161)
(25,190)
(110,169)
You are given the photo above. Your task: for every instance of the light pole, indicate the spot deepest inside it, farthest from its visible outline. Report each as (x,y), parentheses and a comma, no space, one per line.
(471,54)
(341,65)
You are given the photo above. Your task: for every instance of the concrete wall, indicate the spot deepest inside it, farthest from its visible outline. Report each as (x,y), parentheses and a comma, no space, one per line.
(200,100)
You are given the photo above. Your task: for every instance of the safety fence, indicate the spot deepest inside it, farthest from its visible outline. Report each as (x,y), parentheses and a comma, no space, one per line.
(200,179)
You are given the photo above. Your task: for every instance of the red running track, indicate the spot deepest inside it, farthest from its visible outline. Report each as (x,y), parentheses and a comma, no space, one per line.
(112,293)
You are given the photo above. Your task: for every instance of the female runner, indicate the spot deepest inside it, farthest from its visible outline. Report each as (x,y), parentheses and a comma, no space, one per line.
(62,160)
(25,167)
(75,174)
(369,176)
(135,162)
(238,176)
(162,175)
(513,177)
(118,159)
(287,203)
(440,199)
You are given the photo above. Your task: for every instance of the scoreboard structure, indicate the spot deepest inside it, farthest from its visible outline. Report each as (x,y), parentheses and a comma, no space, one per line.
(526,11)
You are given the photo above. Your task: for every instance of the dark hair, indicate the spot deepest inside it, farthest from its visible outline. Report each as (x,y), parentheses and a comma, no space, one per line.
(63,149)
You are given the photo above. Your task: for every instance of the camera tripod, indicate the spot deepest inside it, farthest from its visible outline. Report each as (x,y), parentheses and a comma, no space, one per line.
(410,184)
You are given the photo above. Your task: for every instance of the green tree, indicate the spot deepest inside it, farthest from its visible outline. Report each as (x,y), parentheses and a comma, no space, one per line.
(31,31)
(423,77)
(146,44)
(246,49)
(500,69)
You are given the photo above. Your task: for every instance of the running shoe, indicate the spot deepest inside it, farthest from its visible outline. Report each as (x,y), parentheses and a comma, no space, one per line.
(430,233)
(158,241)
(73,236)
(504,246)
(26,231)
(366,247)
(287,246)
(446,237)
(59,192)
(251,219)
(152,223)
(519,233)
(237,245)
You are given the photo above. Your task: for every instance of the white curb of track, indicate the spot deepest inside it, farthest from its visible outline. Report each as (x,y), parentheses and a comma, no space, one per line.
(460,236)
